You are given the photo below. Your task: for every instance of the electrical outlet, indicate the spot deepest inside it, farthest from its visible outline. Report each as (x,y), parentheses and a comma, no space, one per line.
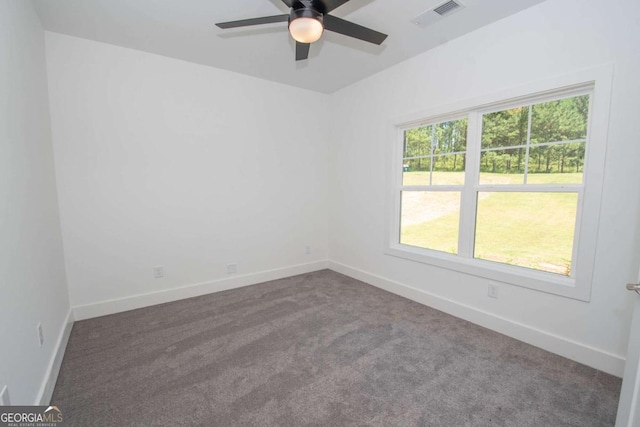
(232,268)
(158,271)
(493,291)
(4,397)
(40,335)
(307,250)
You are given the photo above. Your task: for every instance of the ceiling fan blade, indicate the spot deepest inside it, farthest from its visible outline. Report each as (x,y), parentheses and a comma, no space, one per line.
(254,21)
(289,3)
(350,29)
(302,51)
(329,5)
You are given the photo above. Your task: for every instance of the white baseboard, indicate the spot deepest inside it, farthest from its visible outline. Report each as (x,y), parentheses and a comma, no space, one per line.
(103,308)
(590,356)
(49,381)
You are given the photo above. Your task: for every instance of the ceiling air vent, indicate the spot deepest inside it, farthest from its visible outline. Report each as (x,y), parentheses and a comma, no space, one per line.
(434,15)
(449,6)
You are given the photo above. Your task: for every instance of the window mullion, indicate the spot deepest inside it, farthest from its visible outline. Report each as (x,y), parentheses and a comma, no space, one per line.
(526,158)
(468,203)
(433,144)
(531,188)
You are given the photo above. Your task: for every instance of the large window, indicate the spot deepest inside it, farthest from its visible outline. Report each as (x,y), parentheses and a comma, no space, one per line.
(499,190)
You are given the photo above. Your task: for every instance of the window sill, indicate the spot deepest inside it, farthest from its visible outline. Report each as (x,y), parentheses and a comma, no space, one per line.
(518,276)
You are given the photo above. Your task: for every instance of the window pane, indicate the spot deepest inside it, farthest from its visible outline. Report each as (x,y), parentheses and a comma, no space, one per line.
(563,120)
(533,230)
(440,146)
(505,128)
(556,164)
(502,166)
(450,137)
(416,171)
(448,170)
(417,141)
(430,219)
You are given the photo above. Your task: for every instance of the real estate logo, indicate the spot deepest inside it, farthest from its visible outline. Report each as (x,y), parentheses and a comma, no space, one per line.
(31,416)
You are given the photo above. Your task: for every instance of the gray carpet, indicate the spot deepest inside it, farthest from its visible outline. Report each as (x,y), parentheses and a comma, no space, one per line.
(318,349)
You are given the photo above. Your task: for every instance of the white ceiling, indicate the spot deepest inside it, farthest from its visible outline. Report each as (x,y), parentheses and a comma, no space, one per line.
(184,29)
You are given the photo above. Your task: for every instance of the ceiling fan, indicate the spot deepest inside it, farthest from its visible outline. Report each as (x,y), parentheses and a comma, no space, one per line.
(307,21)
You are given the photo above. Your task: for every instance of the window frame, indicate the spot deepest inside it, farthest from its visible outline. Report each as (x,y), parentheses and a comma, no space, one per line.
(597,83)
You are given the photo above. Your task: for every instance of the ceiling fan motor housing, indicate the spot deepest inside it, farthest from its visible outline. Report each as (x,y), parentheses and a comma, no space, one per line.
(306,12)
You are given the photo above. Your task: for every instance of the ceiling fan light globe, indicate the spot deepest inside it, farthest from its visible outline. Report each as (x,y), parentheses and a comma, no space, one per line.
(306,30)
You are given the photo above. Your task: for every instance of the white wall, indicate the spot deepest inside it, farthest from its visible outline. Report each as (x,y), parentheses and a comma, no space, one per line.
(164,162)
(554,38)
(32,277)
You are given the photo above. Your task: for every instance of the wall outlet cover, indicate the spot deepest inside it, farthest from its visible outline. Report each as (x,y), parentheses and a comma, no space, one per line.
(158,271)
(493,291)
(40,335)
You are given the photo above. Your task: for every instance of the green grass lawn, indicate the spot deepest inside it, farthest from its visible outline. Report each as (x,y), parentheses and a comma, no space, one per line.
(533,230)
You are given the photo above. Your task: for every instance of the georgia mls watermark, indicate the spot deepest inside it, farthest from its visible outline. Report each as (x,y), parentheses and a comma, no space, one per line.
(30,416)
